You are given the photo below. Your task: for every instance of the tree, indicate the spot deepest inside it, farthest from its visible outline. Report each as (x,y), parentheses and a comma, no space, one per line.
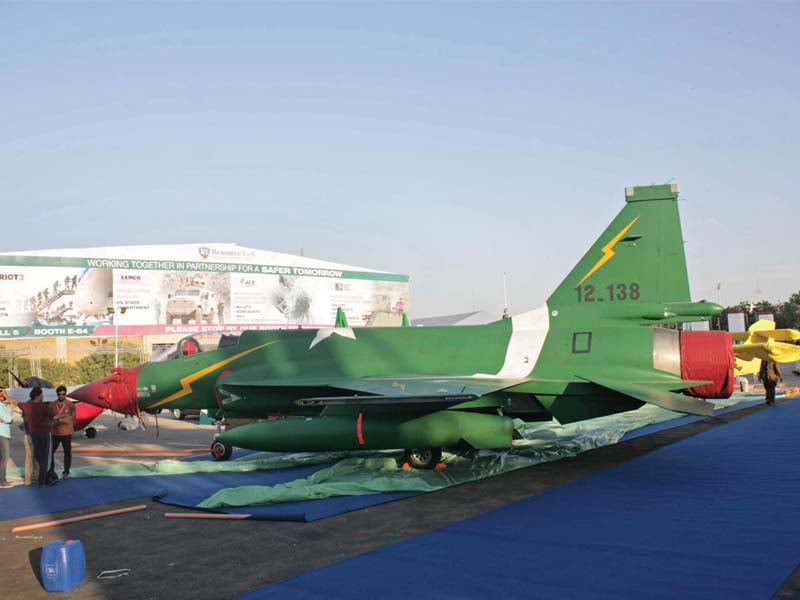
(788,314)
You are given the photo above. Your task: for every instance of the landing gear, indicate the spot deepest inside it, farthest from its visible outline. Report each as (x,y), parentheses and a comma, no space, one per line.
(221,451)
(178,414)
(423,458)
(90,432)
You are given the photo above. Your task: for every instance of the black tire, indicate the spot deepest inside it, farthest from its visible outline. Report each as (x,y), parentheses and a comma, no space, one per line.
(178,414)
(423,458)
(90,432)
(221,451)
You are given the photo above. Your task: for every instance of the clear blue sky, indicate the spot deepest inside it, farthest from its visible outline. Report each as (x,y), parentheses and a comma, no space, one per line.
(451,142)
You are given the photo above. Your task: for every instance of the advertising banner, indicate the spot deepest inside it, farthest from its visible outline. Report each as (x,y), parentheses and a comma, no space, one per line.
(54,295)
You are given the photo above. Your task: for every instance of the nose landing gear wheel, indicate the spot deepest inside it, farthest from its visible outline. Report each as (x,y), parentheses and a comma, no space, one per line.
(423,458)
(221,451)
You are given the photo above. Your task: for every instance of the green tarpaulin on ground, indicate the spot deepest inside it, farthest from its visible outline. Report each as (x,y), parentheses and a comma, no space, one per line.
(542,442)
(377,472)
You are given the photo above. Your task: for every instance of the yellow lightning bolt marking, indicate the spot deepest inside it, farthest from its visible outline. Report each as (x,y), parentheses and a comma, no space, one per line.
(186,382)
(608,251)
(402,386)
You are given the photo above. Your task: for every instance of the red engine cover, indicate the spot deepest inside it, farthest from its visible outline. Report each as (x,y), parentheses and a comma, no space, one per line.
(708,355)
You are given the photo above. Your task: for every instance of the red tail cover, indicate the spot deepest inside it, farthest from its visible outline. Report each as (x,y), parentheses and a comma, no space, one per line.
(708,355)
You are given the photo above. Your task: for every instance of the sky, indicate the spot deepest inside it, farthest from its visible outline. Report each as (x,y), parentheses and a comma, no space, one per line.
(452,142)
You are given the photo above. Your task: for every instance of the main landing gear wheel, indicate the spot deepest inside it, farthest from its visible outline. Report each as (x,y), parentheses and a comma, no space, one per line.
(221,451)
(90,432)
(423,458)
(178,414)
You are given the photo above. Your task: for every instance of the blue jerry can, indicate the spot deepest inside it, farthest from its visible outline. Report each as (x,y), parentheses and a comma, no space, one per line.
(63,565)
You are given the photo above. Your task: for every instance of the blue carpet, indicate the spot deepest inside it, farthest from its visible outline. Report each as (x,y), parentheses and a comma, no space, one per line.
(714,516)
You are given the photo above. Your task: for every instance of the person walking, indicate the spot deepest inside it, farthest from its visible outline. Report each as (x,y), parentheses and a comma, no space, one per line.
(62,415)
(770,374)
(6,416)
(37,419)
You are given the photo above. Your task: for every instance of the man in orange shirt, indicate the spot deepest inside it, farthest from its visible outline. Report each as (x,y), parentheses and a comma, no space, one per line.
(62,414)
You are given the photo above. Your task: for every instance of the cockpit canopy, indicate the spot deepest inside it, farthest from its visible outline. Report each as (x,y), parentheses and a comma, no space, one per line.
(189,346)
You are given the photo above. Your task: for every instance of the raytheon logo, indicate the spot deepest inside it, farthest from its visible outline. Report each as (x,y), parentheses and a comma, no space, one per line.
(11,276)
(204,252)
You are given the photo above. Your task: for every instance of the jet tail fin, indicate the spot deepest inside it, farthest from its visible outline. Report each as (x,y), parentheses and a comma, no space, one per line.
(639,258)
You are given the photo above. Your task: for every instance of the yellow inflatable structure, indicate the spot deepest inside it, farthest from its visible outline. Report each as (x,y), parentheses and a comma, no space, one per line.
(763,342)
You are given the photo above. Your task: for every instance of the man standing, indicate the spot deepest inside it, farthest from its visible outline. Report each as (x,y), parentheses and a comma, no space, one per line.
(770,374)
(6,416)
(62,414)
(37,418)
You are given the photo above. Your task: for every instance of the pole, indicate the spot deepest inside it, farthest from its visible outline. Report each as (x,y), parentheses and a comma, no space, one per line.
(505,293)
(108,513)
(116,338)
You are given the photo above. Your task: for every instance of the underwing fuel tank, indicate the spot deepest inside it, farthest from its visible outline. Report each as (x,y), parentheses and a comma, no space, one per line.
(363,431)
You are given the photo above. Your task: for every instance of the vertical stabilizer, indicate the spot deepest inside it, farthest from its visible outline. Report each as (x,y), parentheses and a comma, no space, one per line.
(638,259)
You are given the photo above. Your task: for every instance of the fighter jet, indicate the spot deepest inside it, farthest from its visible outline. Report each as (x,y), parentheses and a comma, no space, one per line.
(607,340)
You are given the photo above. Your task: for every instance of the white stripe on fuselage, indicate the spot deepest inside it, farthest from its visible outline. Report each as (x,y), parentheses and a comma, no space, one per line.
(528,332)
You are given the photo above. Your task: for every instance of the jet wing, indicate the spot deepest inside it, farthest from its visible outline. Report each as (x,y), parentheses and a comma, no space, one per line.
(416,386)
(442,391)
(653,395)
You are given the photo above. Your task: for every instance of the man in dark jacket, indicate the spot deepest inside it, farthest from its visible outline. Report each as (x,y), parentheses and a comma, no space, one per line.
(37,419)
(770,375)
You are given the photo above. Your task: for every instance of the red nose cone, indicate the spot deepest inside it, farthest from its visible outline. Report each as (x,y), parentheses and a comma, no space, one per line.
(92,393)
(116,392)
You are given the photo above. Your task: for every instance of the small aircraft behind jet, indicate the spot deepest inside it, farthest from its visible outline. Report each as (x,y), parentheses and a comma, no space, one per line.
(84,413)
(606,341)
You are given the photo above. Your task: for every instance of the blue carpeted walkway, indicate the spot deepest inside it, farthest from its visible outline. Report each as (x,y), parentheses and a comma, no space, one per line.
(713,516)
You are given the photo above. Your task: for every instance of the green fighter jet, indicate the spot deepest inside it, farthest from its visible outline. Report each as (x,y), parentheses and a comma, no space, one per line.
(606,341)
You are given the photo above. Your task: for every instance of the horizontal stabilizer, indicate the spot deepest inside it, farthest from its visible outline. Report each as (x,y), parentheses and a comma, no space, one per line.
(659,397)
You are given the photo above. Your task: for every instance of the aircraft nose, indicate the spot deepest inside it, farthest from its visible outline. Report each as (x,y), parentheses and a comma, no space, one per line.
(116,392)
